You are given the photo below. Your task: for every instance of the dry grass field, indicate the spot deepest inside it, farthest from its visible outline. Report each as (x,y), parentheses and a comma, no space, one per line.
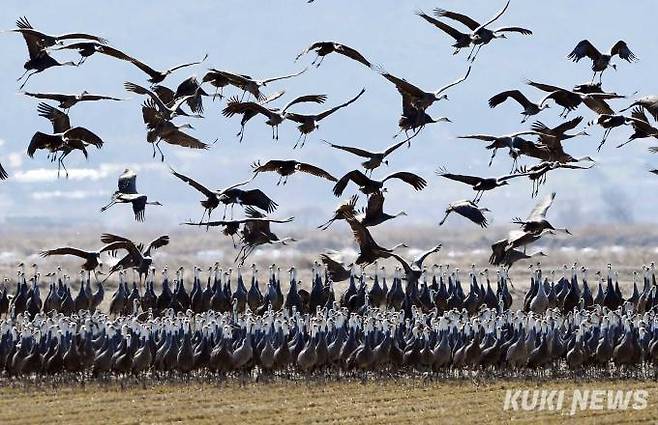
(374,402)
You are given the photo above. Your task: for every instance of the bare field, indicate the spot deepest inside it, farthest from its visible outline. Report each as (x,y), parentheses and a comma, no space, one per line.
(373,402)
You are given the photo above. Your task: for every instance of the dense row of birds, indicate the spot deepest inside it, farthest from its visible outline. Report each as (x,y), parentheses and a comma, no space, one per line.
(433,327)
(163,106)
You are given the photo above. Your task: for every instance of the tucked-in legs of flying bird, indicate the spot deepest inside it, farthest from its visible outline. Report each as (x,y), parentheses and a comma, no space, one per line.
(162,157)
(26,79)
(468,58)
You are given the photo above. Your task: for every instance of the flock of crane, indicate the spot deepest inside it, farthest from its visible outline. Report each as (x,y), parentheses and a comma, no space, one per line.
(427,326)
(437,328)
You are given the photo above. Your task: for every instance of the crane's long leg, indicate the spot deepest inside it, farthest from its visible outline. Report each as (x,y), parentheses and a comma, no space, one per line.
(493,155)
(157,145)
(23,75)
(225,209)
(444,219)
(605,137)
(476,53)
(298,139)
(106,207)
(26,79)
(468,58)
(61,161)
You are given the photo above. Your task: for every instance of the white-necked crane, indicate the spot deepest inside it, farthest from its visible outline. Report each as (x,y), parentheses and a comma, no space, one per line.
(309,122)
(87,49)
(138,255)
(246,83)
(369,250)
(480,34)
(37,43)
(536,221)
(230,196)
(67,101)
(166,112)
(375,159)
(538,173)
(529,108)
(64,138)
(231,227)
(479,184)
(368,185)
(323,48)
(642,129)
(417,97)
(161,129)
(509,141)
(570,100)
(413,270)
(256,233)
(601,61)
(92,258)
(127,194)
(286,168)
(468,209)
(274,116)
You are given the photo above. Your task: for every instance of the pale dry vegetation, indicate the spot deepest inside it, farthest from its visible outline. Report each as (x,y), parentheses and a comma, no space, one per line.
(372,402)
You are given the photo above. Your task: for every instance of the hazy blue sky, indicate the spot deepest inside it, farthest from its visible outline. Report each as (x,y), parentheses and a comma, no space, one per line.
(262,39)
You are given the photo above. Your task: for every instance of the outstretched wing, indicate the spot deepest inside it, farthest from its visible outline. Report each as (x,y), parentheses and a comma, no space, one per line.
(158,243)
(314,98)
(566,126)
(87,136)
(128,182)
(514,94)
(356,151)
(356,176)
(234,106)
(469,180)
(454,83)
(472,213)
(520,30)
(59,119)
(179,138)
(620,48)
(412,179)
(198,186)
(351,53)
(269,166)
(472,24)
(342,105)
(65,251)
(315,171)
(539,211)
(457,35)
(258,198)
(335,269)
(584,49)
(485,137)
(544,87)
